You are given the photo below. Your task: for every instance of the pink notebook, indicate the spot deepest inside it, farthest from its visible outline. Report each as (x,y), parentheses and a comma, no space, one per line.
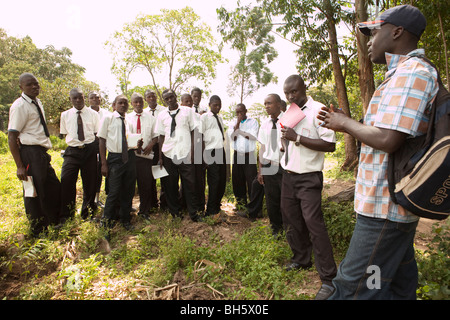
(292,116)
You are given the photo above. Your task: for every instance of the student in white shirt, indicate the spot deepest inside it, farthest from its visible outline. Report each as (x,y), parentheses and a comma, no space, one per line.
(213,132)
(143,123)
(243,135)
(28,140)
(120,165)
(154,109)
(301,191)
(199,166)
(270,172)
(79,125)
(95,101)
(175,127)
(196,94)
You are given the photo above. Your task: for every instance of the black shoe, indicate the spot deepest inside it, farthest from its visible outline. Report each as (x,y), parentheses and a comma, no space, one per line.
(244,214)
(296,266)
(324,292)
(144,216)
(128,226)
(197,218)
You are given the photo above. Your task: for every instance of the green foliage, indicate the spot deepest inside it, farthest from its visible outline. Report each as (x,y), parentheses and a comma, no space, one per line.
(57,143)
(4,148)
(340,219)
(56,72)
(174,46)
(434,266)
(248,31)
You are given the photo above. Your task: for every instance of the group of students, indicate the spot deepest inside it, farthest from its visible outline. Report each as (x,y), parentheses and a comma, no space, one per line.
(187,142)
(190,144)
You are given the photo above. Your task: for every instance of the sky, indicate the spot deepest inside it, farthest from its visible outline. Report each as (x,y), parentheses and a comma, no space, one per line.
(84,26)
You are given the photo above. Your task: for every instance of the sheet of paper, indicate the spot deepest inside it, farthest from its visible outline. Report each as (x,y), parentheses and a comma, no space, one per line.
(146,156)
(292,116)
(159,172)
(28,187)
(132,140)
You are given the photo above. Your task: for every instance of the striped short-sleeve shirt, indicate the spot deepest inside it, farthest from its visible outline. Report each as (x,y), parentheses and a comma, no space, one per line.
(402,102)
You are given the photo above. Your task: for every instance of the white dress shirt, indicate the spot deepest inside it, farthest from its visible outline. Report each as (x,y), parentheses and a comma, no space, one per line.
(178,146)
(69,126)
(148,123)
(300,158)
(24,118)
(243,144)
(265,138)
(155,112)
(111,131)
(212,136)
(101,112)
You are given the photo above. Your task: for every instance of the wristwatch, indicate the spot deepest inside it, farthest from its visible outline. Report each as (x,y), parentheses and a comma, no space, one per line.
(297,141)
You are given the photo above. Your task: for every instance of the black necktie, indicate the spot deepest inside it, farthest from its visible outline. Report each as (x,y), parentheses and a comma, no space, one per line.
(124,142)
(174,124)
(80,127)
(220,126)
(41,116)
(153,112)
(273,134)
(196,109)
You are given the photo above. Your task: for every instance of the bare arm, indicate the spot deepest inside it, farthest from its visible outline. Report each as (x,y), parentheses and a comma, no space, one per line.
(160,143)
(14,148)
(313,144)
(102,153)
(378,138)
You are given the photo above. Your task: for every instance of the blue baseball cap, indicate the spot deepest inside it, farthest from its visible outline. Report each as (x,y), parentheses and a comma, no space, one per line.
(406,16)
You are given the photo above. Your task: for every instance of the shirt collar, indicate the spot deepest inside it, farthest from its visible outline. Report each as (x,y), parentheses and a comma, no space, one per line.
(76,110)
(28,99)
(393,60)
(116,114)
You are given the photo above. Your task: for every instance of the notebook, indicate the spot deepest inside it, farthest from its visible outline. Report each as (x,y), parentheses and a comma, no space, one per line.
(292,116)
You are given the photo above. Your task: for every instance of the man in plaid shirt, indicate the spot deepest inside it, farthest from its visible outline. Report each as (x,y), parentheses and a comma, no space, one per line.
(380,260)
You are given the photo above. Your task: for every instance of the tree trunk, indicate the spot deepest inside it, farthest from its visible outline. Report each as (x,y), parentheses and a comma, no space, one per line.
(341,90)
(366,81)
(441,27)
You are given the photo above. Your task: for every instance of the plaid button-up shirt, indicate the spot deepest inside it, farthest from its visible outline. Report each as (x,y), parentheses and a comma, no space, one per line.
(402,102)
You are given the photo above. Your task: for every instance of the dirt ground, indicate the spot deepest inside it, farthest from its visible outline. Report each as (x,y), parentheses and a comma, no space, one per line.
(228,226)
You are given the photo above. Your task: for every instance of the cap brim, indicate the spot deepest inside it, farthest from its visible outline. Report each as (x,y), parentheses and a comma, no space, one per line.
(365,27)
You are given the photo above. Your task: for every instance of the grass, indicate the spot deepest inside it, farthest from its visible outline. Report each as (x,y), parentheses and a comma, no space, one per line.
(162,260)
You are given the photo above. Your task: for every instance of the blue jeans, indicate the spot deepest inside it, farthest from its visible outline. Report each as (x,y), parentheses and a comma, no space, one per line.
(382,252)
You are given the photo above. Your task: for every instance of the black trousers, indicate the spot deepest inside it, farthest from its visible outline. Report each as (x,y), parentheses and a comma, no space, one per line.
(98,184)
(217,180)
(84,161)
(43,210)
(121,187)
(301,202)
(243,173)
(146,185)
(184,171)
(272,192)
(254,207)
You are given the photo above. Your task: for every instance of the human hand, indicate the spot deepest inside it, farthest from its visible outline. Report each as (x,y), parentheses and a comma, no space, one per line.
(22,173)
(288,134)
(332,118)
(104,170)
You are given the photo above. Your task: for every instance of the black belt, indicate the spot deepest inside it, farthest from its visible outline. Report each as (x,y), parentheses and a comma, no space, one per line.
(83,146)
